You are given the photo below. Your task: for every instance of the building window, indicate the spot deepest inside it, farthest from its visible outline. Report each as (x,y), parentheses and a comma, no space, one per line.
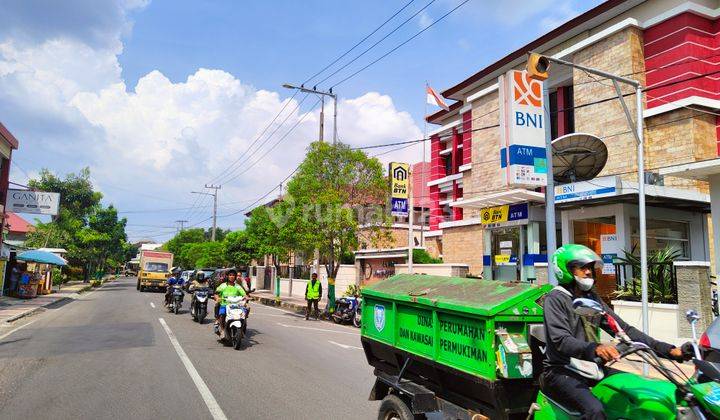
(561,105)
(447,160)
(662,234)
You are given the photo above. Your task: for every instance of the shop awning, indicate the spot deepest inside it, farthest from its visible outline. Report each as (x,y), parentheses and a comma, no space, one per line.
(500,198)
(700,171)
(369,254)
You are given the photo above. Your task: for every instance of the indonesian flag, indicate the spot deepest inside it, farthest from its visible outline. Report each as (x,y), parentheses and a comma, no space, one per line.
(434,99)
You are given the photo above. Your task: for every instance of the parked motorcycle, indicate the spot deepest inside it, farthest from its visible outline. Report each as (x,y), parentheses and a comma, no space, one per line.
(631,396)
(235,325)
(346,310)
(198,304)
(357,319)
(176,298)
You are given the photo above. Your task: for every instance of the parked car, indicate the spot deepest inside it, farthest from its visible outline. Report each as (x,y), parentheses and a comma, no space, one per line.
(186,276)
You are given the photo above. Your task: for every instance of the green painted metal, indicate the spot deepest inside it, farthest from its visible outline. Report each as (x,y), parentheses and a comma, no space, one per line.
(624,396)
(467,324)
(460,294)
(709,396)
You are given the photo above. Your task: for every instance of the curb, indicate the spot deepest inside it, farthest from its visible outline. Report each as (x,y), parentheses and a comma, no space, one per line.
(279,303)
(43,307)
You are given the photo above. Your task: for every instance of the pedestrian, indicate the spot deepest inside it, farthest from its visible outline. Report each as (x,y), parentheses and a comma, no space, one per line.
(313,294)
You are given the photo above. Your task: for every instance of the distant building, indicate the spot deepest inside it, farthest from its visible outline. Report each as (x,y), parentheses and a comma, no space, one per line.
(17,228)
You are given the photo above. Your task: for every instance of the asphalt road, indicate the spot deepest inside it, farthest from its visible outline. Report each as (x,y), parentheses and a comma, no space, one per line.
(109,356)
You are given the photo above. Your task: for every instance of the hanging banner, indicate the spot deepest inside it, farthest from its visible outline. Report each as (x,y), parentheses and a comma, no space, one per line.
(399,188)
(523,157)
(609,249)
(35,202)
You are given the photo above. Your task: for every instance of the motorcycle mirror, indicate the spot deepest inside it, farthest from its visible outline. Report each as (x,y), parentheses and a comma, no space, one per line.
(692,315)
(588,307)
(709,369)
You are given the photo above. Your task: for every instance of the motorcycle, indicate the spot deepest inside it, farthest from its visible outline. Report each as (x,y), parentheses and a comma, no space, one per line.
(235,325)
(346,310)
(198,304)
(357,319)
(631,396)
(176,298)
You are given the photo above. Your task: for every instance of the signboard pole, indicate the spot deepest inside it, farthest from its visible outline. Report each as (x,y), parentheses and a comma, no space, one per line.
(551,240)
(411,239)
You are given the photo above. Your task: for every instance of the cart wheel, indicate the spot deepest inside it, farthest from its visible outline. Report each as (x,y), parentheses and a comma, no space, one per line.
(393,408)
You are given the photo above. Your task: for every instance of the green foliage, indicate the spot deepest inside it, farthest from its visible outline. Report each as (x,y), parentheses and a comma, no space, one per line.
(57,276)
(421,256)
(187,236)
(202,254)
(219,234)
(266,235)
(660,281)
(331,187)
(92,234)
(238,251)
(352,290)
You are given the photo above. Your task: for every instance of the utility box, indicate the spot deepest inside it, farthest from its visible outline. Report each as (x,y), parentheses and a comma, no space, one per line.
(467,338)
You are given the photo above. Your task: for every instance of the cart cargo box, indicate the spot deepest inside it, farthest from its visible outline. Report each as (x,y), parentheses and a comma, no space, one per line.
(466,340)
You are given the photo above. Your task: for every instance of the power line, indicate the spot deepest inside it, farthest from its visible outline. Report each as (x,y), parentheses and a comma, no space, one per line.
(376,43)
(229,176)
(401,44)
(358,43)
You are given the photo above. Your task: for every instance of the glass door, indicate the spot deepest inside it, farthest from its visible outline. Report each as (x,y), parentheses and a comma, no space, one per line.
(505,253)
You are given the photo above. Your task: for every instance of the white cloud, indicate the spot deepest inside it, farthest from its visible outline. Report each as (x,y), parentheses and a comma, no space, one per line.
(65,99)
(424,19)
(563,12)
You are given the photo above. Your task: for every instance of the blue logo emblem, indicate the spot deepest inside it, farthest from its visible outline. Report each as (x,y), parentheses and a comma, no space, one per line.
(379,317)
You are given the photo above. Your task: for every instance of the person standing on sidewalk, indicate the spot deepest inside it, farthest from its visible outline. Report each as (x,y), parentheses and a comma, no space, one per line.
(313,294)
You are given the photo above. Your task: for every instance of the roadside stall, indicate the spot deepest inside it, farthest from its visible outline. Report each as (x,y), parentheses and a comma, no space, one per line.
(37,278)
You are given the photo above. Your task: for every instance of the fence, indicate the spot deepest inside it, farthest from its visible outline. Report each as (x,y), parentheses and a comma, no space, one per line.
(662,282)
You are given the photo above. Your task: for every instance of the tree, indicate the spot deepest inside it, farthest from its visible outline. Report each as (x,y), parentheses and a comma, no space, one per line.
(187,236)
(238,251)
(93,235)
(266,236)
(202,254)
(219,234)
(330,194)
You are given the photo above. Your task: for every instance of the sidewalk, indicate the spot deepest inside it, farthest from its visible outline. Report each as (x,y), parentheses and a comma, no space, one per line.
(12,309)
(266,297)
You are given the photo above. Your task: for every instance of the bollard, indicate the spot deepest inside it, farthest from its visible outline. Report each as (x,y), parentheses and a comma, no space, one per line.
(277,286)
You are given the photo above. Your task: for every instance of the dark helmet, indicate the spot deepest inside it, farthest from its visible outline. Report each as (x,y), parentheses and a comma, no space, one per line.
(200,276)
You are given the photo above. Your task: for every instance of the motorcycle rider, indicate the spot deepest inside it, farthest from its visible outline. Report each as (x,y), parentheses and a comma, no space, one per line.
(572,340)
(225,290)
(198,281)
(171,281)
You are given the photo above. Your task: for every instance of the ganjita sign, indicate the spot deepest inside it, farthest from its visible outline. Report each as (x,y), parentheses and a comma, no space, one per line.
(37,202)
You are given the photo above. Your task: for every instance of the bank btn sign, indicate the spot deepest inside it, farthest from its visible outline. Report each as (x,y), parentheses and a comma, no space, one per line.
(523,156)
(399,188)
(507,215)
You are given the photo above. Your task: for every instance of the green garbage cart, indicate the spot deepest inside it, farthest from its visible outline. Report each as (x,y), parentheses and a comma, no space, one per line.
(457,346)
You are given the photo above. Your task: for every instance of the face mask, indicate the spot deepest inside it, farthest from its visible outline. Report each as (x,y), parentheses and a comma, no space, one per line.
(585,284)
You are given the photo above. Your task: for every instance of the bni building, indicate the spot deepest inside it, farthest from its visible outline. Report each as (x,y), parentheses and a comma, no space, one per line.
(670,47)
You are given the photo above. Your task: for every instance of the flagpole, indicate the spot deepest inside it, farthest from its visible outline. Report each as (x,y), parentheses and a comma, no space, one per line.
(422,175)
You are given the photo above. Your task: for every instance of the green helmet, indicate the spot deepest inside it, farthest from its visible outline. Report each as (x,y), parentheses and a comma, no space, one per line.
(571,254)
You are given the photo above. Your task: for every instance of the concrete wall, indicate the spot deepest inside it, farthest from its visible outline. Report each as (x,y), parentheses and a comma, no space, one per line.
(464,245)
(664,319)
(346,276)
(454,270)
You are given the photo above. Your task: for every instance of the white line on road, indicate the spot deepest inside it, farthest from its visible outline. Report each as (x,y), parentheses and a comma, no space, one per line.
(205,393)
(152,304)
(260,305)
(316,329)
(18,328)
(345,346)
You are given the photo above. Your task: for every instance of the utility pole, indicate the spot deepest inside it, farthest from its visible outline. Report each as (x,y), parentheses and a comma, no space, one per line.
(181,224)
(214,196)
(322,94)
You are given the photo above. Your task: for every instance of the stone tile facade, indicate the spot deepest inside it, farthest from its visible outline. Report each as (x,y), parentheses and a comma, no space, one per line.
(464,244)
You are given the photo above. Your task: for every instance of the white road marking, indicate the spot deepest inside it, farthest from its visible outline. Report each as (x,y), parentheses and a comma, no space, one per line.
(260,305)
(205,393)
(278,315)
(345,346)
(152,304)
(317,329)
(18,328)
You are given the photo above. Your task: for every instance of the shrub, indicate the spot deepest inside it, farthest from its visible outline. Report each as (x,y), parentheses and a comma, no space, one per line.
(420,256)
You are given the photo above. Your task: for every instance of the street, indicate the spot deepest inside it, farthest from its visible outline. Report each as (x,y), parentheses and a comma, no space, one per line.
(110,355)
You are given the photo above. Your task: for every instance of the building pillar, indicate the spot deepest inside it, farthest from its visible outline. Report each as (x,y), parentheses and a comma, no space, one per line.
(467,138)
(715,216)
(694,292)
(562,126)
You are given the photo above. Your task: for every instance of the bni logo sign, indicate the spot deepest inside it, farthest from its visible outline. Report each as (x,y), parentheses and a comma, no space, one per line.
(526,91)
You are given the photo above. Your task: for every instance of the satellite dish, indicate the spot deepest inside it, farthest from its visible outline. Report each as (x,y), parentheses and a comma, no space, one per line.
(578,157)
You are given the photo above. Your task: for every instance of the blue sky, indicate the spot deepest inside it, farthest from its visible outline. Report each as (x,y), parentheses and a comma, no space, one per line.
(158,97)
